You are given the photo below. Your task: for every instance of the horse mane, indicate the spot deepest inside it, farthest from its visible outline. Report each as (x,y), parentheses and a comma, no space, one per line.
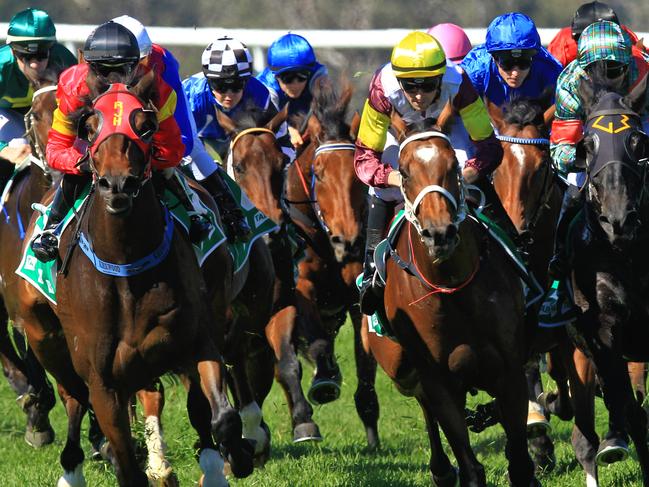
(423,126)
(330,107)
(250,116)
(524,112)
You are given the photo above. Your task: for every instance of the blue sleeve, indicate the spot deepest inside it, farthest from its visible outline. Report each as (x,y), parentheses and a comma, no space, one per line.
(277,95)
(476,66)
(172,77)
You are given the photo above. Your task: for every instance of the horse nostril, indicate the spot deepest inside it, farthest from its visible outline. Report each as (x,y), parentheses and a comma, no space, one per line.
(103,184)
(131,185)
(427,233)
(337,239)
(451,232)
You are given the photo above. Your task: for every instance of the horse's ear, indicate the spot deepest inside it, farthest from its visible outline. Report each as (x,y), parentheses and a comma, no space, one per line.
(547,96)
(354,126)
(640,44)
(145,86)
(80,58)
(278,119)
(636,99)
(347,90)
(495,114)
(398,125)
(548,116)
(445,116)
(314,127)
(227,124)
(586,91)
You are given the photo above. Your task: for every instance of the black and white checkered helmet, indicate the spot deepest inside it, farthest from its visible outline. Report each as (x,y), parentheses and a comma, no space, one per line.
(227,58)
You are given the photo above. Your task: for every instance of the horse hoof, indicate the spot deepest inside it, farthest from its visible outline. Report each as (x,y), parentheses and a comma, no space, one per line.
(240,456)
(159,478)
(537,425)
(38,439)
(211,465)
(542,453)
(263,456)
(611,451)
(451,479)
(73,478)
(306,432)
(323,391)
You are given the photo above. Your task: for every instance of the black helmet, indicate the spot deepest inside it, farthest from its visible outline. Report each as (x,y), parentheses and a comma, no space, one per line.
(111,43)
(589,13)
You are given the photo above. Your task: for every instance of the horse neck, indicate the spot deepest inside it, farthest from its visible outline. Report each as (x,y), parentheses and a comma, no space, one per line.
(124,239)
(452,272)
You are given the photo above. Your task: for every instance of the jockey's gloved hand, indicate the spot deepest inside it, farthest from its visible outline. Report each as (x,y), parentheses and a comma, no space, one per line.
(83,164)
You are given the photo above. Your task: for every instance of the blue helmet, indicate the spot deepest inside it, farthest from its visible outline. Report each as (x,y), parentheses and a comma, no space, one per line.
(512,31)
(291,52)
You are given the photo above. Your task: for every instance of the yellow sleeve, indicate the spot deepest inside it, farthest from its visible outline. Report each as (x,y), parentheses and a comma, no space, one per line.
(476,120)
(62,124)
(167,110)
(373,129)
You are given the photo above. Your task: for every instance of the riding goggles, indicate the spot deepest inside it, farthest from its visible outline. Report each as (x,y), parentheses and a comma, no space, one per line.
(106,69)
(508,63)
(615,69)
(224,85)
(28,56)
(425,85)
(289,77)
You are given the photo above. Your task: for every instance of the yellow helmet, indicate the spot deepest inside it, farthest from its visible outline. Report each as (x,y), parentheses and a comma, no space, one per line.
(418,55)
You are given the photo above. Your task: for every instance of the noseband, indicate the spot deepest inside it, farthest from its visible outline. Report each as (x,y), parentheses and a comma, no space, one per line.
(410,208)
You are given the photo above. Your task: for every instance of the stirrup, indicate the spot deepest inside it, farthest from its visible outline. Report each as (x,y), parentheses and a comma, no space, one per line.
(45,246)
(236,226)
(368,299)
(199,228)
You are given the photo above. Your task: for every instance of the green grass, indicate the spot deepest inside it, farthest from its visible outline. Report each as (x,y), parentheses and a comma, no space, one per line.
(340,460)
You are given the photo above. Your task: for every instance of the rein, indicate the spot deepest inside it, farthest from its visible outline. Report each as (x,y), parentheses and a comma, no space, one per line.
(523,140)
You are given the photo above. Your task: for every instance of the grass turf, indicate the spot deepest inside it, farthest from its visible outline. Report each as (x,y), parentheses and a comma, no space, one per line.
(340,460)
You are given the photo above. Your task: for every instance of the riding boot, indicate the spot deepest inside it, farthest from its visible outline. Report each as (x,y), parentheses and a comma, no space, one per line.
(377,219)
(559,265)
(494,209)
(46,245)
(199,227)
(236,226)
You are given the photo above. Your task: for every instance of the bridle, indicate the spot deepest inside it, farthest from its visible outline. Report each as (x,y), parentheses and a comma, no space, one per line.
(35,142)
(410,208)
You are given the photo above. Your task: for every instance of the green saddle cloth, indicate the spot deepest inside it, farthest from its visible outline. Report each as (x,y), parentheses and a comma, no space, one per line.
(42,275)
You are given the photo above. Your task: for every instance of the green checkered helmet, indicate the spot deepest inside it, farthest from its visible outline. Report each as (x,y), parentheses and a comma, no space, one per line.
(31,31)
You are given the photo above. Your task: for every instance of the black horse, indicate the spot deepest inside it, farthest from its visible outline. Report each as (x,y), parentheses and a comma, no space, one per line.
(611,265)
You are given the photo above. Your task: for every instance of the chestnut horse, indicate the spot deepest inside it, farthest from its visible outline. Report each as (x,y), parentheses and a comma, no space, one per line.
(257,163)
(26,376)
(111,335)
(328,204)
(457,313)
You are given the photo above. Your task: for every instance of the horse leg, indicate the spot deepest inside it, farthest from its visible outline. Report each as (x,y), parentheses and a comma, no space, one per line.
(288,372)
(72,455)
(441,469)
(111,409)
(365,398)
(581,374)
(513,410)
(637,428)
(448,408)
(638,375)
(559,403)
(538,427)
(158,468)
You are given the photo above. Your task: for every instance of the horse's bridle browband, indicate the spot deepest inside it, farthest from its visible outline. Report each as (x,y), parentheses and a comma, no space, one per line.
(523,140)
(333,147)
(252,130)
(410,209)
(612,111)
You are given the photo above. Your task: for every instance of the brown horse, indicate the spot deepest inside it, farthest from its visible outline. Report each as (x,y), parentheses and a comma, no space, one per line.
(328,203)
(26,376)
(257,163)
(457,314)
(152,319)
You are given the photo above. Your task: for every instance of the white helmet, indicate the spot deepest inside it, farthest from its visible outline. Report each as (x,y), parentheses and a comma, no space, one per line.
(138,30)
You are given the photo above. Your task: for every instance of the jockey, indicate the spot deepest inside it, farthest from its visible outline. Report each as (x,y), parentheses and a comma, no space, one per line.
(564,45)
(226,84)
(111,52)
(418,83)
(290,76)
(31,50)
(601,43)
(512,62)
(454,41)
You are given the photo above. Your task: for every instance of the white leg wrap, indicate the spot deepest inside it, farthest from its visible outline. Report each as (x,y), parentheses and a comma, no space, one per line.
(591,481)
(73,479)
(211,465)
(158,467)
(251,425)
(534,407)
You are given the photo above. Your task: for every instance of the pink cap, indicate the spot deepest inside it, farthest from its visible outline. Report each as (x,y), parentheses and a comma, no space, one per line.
(453,39)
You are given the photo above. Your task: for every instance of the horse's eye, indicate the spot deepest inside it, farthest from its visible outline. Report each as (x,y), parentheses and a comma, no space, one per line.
(403,172)
(238,168)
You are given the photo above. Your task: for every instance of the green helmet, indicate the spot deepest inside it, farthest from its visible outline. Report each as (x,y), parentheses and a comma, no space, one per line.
(31,30)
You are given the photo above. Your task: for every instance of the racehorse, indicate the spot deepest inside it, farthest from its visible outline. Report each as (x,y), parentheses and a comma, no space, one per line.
(327,202)
(455,305)
(257,163)
(610,276)
(26,376)
(152,317)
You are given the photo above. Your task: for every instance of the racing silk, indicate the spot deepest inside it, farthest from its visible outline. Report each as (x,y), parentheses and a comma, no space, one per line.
(64,150)
(385,94)
(15,90)
(481,68)
(203,104)
(564,48)
(297,106)
(165,64)
(600,41)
